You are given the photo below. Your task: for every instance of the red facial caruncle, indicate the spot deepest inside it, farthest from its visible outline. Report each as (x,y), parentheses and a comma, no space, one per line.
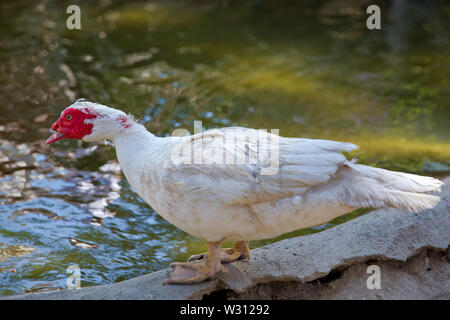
(71,125)
(124,122)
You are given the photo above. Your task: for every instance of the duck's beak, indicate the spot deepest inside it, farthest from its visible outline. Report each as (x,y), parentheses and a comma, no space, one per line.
(55,137)
(57,134)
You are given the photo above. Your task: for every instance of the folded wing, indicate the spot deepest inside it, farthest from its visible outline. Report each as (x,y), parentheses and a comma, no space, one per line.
(247,166)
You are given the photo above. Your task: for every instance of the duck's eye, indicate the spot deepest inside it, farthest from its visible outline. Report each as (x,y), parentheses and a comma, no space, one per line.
(69,117)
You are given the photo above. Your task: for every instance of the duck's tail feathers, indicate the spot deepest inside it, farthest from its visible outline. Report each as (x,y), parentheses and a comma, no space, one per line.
(380,188)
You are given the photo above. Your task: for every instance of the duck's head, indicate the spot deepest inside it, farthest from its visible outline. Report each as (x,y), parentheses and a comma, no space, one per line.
(90,121)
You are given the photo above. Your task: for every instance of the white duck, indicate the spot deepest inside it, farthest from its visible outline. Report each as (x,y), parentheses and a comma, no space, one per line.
(241,184)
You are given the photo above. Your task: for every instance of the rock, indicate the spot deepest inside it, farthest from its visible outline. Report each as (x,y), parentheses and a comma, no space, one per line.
(410,249)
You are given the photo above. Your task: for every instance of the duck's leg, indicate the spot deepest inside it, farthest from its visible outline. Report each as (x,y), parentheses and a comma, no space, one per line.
(227,255)
(197,271)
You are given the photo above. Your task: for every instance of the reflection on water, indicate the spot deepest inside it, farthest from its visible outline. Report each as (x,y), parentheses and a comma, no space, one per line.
(309,68)
(7,251)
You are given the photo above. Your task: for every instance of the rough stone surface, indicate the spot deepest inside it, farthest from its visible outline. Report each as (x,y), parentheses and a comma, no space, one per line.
(410,249)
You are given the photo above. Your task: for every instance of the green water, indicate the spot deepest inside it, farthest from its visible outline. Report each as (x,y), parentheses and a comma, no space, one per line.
(309,68)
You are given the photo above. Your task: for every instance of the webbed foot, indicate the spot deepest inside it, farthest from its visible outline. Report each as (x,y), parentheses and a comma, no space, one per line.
(227,255)
(197,271)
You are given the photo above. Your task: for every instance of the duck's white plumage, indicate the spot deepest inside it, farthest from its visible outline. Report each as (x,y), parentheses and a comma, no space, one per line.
(240,184)
(314,183)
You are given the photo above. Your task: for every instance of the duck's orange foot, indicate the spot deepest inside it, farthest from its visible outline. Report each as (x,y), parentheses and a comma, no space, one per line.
(227,255)
(191,273)
(197,271)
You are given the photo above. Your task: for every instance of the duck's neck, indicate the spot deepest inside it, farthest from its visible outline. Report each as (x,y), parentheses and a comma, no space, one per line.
(133,138)
(134,148)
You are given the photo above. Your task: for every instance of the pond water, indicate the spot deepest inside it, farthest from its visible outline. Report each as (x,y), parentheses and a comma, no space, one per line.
(309,68)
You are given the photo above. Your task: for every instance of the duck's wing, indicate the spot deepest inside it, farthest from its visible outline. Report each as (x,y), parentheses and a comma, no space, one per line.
(244,166)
